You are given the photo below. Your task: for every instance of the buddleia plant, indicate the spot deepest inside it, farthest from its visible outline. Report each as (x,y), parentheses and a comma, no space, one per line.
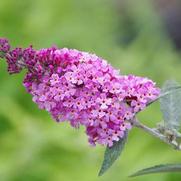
(85,90)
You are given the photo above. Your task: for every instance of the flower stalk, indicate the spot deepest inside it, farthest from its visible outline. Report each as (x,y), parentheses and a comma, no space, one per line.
(169,139)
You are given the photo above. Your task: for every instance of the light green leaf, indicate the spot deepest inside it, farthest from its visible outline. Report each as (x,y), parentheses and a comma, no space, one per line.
(166,92)
(158,169)
(171,105)
(112,154)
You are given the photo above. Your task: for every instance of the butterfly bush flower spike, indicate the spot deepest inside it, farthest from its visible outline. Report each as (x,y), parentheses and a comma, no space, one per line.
(83,89)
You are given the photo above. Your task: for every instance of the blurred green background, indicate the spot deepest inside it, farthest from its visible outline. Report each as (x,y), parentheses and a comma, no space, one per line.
(132,36)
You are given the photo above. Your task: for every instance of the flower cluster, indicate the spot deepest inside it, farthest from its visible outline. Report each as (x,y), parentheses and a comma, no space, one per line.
(4,47)
(83,89)
(14,60)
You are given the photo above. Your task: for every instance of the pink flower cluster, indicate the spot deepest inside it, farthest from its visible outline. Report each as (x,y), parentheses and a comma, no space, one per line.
(4,47)
(85,90)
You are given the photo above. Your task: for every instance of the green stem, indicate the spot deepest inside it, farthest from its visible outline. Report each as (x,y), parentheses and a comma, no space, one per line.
(157,134)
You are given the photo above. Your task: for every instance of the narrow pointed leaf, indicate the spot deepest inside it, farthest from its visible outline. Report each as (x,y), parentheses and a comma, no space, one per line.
(111,154)
(158,169)
(171,105)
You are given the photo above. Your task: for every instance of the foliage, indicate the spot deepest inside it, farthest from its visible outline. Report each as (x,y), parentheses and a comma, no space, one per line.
(112,154)
(159,169)
(33,147)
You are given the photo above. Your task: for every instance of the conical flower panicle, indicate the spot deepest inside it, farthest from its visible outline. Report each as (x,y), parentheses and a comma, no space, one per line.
(83,89)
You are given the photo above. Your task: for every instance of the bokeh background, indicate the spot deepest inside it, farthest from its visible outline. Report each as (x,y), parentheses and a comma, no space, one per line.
(138,37)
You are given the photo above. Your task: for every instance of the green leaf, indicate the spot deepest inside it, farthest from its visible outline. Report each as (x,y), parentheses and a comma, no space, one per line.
(171,104)
(112,154)
(166,92)
(158,169)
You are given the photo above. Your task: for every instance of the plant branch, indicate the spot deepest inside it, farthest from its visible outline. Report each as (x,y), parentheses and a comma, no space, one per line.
(157,134)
